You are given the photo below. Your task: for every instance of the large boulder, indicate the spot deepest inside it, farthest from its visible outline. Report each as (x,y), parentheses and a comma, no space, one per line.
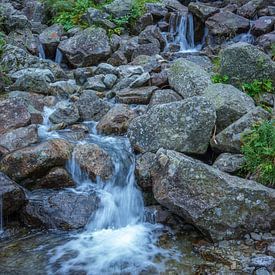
(119,8)
(183,126)
(243,62)
(201,10)
(54,209)
(11,194)
(230,103)
(229,139)
(188,78)
(14,114)
(263,25)
(87,48)
(34,162)
(94,160)
(219,205)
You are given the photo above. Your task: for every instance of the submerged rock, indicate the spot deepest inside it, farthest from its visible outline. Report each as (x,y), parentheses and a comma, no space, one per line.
(220,205)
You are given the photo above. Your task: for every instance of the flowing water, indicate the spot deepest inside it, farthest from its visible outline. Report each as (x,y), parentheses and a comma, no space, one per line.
(58,57)
(41,51)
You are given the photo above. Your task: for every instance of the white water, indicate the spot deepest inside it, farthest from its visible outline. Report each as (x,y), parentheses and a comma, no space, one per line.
(58,56)
(117,239)
(41,51)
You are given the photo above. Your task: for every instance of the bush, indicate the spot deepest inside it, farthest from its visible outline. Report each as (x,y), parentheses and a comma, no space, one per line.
(256,88)
(259,151)
(2,43)
(217,78)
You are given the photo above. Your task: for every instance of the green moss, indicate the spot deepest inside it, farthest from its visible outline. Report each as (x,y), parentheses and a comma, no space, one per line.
(259,152)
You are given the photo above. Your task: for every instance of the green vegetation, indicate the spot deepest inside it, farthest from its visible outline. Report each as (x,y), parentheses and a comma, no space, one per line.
(256,88)
(273,51)
(217,78)
(259,151)
(2,43)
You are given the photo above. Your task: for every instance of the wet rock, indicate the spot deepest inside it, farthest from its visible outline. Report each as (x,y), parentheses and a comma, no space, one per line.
(66,113)
(243,62)
(12,195)
(87,48)
(135,96)
(91,107)
(263,261)
(229,140)
(164,96)
(64,210)
(14,114)
(187,78)
(201,10)
(229,163)
(219,205)
(116,121)
(184,126)
(94,160)
(230,103)
(34,162)
(263,25)
(19,138)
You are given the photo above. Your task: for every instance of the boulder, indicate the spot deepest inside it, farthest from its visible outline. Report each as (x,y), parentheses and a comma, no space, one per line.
(95,83)
(96,17)
(19,138)
(183,126)
(54,209)
(11,194)
(243,62)
(64,88)
(35,162)
(94,160)
(187,78)
(14,114)
(229,163)
(119,8)
(229,140)
(266,41)
(201,10)
(230,103)
(109,80)
(116,121)
(87,48)
(250,8)
(91,107)
(164,96)
(219,205)
(263,25)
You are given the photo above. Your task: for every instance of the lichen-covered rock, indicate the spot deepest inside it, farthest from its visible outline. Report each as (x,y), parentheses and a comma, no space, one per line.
(229,163)
(229,140)
(188,78)
(243,63)
(164,96)
(34,162)
(87,48)
(230,103)
(119,8)
(219,205)
(116,121)
(94,160)
(263,25)
(201,10)
(183,126)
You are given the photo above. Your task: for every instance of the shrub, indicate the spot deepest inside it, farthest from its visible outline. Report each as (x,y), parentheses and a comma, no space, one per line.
(217,78)
(259,152)
(2,43)
(256,88)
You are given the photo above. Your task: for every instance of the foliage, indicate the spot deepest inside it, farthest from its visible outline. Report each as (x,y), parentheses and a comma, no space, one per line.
(273,51)
(2,43)
(217,64)
(217,78)
(259,151)
(257,87)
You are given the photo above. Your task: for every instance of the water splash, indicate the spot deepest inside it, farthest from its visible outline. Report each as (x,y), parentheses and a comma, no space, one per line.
(58,57)
(41,51)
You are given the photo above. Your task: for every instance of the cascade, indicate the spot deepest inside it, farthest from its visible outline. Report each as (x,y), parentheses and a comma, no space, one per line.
(41,51)
(58,57)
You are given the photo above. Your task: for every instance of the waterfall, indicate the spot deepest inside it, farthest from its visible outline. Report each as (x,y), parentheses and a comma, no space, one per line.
(1,215)
(58,56)
(41,51)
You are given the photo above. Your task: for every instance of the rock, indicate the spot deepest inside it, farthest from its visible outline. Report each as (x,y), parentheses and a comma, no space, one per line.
(144,21)
(91,107)
(14,114)
(183,126)
(66,113)
(164,96)
(117,58)
(33,80)
(135,96)
(219,205)
(229,163)
(12,195)
(115,42)
(227,23)
(263,25)
(243,62)
(119,8)
(35,11)
(262,271)
(230,103)
(146,49)
(64,88)
(141,80)
(158,10)
(34,162)
(144,164)
(64,210)
(116,121)
(95,83)
(271,249)
(50,39)
(229,140)
(56,178)
(175,5)
(266,41)
(201,10)
(87,48)
(187,78)
(80,77)
(109,80)
(263,261)
(126,71)
(19,138)
(250,8)
(105,68)
(94,160)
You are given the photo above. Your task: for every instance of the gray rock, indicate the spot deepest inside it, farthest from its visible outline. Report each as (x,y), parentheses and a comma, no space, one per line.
(164,96)
(64,88)
(229,163)
(262,271)
(80,77)
(201,10)
(263,261)
(263,25)
(55,209)
(183,126)
(187,78)
(229,140)
(129,70)
(219,205)
(95,83)
(243,62)
(105,68)
(110,80)
(87,48)
(119,8)
(230,103)
(141,80)
(271,249)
